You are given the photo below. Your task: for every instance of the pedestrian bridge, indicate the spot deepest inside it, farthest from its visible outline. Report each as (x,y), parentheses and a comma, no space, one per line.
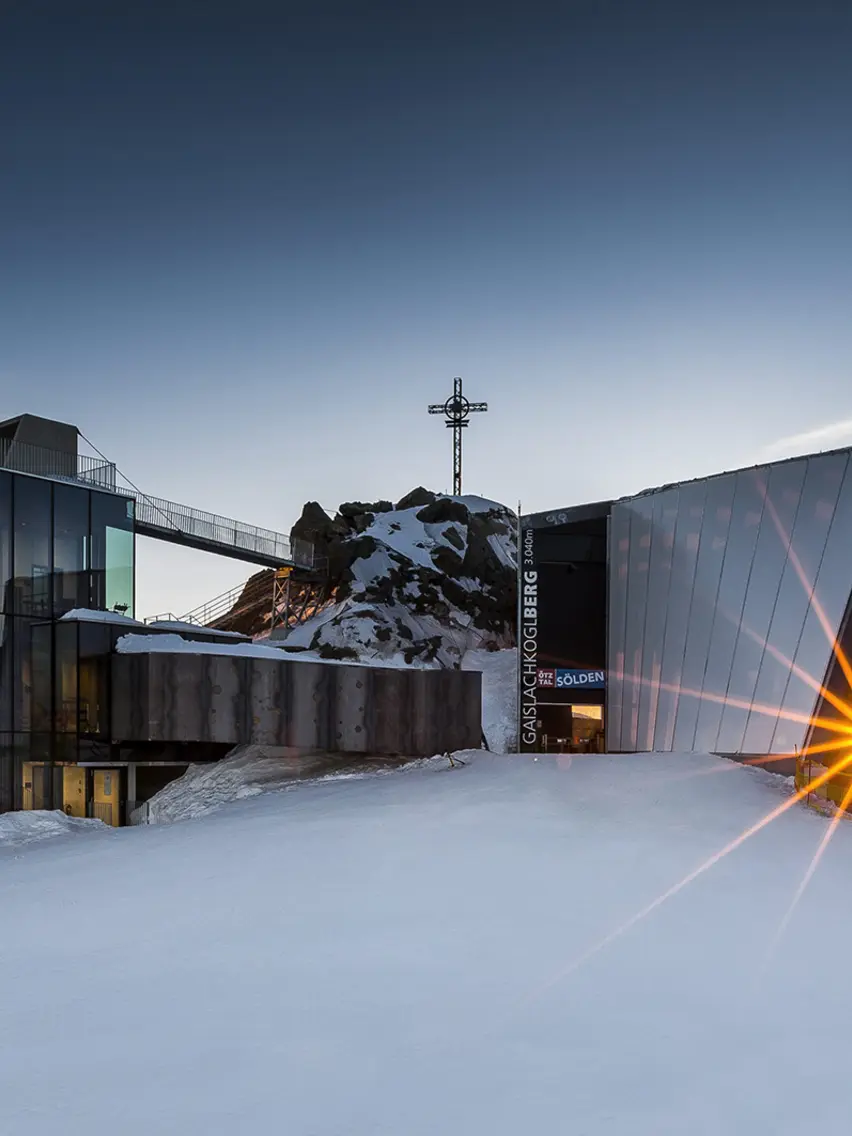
(154,516)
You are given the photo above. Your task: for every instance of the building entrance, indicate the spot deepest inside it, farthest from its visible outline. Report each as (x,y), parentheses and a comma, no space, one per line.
(571,728)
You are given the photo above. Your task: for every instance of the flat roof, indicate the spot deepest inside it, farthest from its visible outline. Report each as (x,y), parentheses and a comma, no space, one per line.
(573,513)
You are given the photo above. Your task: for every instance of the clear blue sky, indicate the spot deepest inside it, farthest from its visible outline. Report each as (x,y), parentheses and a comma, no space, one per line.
(242,246)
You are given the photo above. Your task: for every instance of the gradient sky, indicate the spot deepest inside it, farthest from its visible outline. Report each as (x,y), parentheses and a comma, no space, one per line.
(243,245)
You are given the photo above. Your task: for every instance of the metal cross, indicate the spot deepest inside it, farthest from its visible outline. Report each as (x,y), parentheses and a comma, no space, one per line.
(456,411)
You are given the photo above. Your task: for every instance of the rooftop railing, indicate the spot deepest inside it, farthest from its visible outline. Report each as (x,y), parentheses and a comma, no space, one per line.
(154,515)
(22,457)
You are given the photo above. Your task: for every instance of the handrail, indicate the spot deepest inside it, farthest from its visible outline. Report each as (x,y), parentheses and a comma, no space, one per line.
(170,516)
(155,512)
(23,457)
(220,605)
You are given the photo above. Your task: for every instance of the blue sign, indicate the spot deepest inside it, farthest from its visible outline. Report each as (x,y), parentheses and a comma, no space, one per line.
(588,680)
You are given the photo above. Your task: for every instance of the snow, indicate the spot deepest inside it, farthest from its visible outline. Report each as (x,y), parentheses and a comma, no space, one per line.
(252,769)
(479,504)
(405,534)
(414,954)
(499,698)
(180,626)
(246,772)
(38,824)
(87,615)
(173,643)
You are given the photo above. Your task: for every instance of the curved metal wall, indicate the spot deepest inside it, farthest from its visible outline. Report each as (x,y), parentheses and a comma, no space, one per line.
(724,597)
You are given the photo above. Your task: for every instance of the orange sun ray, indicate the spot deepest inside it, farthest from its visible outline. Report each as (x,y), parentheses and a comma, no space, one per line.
(731,846)
(812,867)
(837,650)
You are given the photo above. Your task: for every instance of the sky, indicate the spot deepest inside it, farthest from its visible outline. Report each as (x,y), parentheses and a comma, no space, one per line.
(243,246)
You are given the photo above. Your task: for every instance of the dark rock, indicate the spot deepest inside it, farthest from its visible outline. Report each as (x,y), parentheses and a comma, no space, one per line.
(314,525)
(418,496)
(443,509)
(447,560)
(455,538)
(352,509)
(329,651)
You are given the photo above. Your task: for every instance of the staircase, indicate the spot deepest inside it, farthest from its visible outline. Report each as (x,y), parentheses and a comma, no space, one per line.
(248,608)
(208,613)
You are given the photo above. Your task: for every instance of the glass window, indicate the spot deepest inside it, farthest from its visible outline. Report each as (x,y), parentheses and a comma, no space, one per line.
(65,678)
(736,571)
(830,596)
(687,532)
(637,590)
(716,521)
(112,553)
(823,479)
(656,609)
(5,541)
(6,670)
(41,657)
(783,494)
(619,550)
(70,548)
(32,552)
(7,771)
(95,644)
(22,673)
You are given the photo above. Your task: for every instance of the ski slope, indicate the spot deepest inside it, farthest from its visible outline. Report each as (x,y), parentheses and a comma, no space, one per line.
(413,954)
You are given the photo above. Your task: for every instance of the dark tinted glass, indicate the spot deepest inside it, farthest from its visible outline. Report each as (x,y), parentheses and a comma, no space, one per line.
(823,479)
(32,551)
(690,511)
(70,548)
(783,495)
(716,522)
(6,670)
(41,657)
(95,642)
(65,678)
(22,672)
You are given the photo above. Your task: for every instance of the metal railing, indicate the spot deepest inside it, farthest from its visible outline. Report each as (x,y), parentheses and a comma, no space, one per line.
(154,512)
(169,516)
(22,457)
(214,609)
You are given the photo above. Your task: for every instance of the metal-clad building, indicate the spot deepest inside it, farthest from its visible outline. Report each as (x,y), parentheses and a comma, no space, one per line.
(724,598)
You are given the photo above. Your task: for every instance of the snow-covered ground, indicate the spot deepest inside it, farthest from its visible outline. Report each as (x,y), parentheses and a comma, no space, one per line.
(254,769)
(414,954)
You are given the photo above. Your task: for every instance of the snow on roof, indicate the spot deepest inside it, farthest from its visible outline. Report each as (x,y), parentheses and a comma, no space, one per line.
(89,615)
(171,643)
(196,628)
(174,644)
(480,504)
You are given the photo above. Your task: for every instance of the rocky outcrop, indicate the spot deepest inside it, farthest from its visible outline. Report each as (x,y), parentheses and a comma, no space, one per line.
(423,582)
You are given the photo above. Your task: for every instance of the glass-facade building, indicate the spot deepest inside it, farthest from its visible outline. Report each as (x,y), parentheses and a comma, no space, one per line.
(726,596)
(713,614)
(64,545)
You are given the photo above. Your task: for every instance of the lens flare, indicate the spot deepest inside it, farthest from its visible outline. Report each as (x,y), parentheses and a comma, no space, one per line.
(688,879)
(812,867)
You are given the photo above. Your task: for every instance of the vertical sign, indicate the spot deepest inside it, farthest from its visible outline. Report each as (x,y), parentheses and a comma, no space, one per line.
(528,643)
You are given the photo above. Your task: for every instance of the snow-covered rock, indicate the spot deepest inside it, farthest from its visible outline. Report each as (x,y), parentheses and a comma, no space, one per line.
(42,824)
(425,581)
